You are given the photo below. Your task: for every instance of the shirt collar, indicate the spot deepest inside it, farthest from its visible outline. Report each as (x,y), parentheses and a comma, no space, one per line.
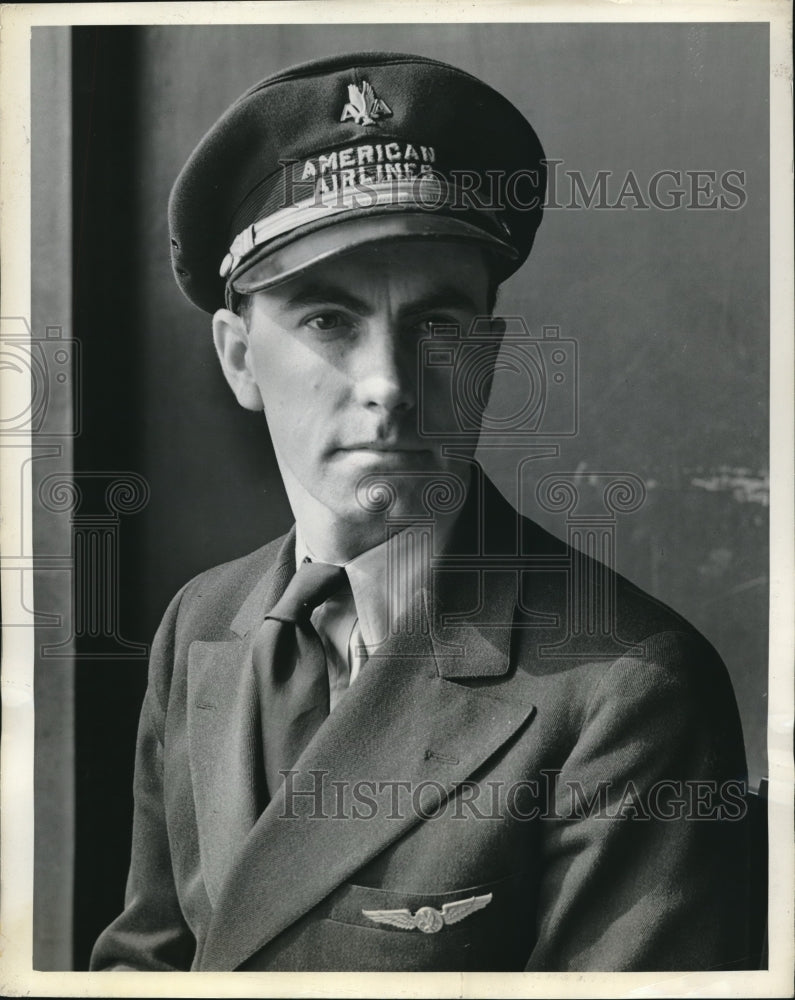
(379,605)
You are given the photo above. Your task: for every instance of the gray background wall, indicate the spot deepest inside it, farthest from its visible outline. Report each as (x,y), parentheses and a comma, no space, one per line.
(669,310)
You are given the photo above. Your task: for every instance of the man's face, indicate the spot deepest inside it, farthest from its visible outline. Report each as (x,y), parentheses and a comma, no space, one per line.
(334,354)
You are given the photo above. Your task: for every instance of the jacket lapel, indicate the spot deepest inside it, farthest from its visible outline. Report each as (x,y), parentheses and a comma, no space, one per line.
(224,742)
(404,721)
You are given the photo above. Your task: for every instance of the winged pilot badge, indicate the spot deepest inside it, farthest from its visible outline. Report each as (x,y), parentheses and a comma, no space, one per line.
(363,106)
(428,919)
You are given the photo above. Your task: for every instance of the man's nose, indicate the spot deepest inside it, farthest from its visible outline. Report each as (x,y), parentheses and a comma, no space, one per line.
(386,373)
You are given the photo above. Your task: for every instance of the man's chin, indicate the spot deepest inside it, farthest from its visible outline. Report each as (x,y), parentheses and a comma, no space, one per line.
(386,494)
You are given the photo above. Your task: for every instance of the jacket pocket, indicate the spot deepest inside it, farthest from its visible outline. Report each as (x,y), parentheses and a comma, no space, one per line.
(487,926)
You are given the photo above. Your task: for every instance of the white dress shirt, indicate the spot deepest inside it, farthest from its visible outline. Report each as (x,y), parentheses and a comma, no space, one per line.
(360,618)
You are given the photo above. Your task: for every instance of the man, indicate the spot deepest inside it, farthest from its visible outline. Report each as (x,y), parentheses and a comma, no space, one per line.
(417,732)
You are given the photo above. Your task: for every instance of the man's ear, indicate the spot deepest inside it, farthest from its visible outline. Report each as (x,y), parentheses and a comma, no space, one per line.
(231,338)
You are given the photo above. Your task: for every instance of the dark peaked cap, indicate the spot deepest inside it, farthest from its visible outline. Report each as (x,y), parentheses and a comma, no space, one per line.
(327,146)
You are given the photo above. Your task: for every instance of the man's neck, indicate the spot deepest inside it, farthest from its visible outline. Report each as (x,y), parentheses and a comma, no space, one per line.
(330,540)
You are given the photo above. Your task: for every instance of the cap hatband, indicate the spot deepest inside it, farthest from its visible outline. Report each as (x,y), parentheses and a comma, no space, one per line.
(379,136)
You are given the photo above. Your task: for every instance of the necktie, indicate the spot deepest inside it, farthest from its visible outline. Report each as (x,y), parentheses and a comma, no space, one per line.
(290,669)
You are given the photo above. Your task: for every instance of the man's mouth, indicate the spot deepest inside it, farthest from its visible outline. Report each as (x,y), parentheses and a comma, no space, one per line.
(399,453)
(384,447)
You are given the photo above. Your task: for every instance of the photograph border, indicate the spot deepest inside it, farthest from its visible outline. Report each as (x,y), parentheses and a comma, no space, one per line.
(17,747)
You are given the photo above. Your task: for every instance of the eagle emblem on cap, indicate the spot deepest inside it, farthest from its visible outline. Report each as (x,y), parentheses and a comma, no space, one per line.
(428,919)
(363,106)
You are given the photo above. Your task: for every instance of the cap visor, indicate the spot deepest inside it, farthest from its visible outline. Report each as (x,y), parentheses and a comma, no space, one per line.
(343,237)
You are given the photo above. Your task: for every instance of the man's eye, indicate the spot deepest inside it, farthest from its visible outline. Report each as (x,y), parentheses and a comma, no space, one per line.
(327,321)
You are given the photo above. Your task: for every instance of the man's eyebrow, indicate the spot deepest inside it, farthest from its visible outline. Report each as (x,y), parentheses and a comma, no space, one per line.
(316,294)
(445,297)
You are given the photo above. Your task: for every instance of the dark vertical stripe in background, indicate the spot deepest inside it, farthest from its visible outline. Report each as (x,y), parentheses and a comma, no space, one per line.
(108,692)
(155,404)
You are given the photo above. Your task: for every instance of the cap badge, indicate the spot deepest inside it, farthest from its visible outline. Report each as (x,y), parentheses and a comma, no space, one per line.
(363,106)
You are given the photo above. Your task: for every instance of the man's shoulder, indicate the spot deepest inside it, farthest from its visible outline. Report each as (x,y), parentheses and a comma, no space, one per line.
(557,573)
(601,649)
(245,568)
(212,598)
(592,600)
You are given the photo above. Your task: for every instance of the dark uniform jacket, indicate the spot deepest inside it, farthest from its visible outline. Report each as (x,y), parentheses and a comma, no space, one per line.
(542,737)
